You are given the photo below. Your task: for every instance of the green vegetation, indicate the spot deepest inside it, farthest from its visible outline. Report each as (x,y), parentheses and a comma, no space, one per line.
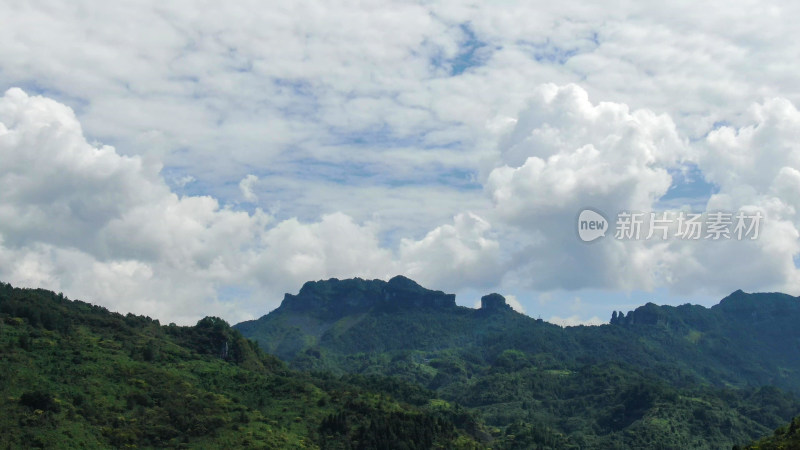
(392,365)
(76,375)
(784,438)
(658,377)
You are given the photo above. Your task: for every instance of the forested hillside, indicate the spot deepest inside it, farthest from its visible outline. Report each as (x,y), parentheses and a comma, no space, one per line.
(77,375)
(680,377)
(785,438)
(373,364)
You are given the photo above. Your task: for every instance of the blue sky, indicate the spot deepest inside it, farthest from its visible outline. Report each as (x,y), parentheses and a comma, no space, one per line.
(206,161)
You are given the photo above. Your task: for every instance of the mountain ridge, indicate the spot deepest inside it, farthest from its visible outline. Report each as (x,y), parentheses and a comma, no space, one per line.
(398,377)
(659,364)
(734,343)
(335,297)
(75,375)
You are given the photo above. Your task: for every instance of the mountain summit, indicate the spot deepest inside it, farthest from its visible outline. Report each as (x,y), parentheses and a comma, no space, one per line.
(494,302)
(334,298)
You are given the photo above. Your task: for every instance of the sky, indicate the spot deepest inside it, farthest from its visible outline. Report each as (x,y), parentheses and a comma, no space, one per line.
(186,159)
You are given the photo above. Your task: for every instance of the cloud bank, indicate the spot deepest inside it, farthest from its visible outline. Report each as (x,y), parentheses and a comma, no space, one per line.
(232,152)
(83,219)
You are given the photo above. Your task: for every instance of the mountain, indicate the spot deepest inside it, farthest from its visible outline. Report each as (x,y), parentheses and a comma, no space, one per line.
(76,375)
(745,340)
(691,376)
(376,364)
(784,438)
(356,315)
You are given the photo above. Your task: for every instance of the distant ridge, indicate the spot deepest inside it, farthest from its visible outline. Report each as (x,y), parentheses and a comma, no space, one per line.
(683,376)
(355,315)
(394,365)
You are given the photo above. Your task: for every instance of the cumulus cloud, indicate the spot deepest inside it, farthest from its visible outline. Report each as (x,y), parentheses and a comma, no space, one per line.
(564,154)
(564,150)
(94,223)
(85,220)
(755,167)
(393,93)
(293,252)
(760,156)
(246,186)
(404,92)
(452,254)
(388,129)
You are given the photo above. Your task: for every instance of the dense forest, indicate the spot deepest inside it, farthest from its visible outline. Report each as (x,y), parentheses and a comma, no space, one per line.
(655,377)
(77,375)
(784,438)
(374,364)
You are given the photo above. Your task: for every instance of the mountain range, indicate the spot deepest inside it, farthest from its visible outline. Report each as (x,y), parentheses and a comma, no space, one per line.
(745,340)
(668,372)
(389,364)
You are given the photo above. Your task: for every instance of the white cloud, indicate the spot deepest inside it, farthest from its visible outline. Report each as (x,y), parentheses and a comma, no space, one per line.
(378,127)
(246,186)
(210,88)
(575,320)
(755,167)
(451,256)
(87,221)
(564,150)
(124,239)
(184,180)
(293,252)
(565,154)
(515,304)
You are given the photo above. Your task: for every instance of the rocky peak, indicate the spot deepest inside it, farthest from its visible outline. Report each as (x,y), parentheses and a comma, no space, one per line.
(494,302)
(334,297)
